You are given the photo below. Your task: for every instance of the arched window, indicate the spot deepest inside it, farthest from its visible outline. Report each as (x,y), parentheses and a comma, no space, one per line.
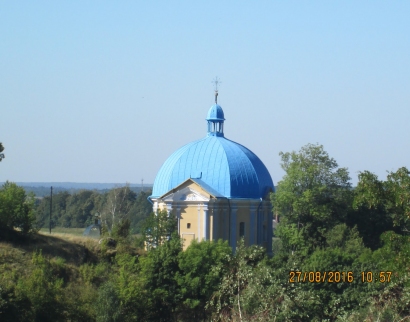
(241,229)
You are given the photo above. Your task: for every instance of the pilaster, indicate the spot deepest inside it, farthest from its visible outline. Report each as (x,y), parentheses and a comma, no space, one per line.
(205,222)
(215,222)
(199,222)
(179,218)
(252,225)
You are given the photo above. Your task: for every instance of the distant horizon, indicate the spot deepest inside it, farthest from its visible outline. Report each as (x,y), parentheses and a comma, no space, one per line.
(64,184)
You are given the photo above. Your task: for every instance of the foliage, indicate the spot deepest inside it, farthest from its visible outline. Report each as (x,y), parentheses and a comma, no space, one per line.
(313,196)
(200,274)
(79,209)
(107,304)
(122,229)
(139,211)
(42,289)
(394,256)
(60,216)
(16,209)
(1,150)
(237,274)
(158,228)
(117,206)
(160,290)
(392,197)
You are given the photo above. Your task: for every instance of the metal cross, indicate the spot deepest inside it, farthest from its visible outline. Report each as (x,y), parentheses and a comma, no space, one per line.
(216,81)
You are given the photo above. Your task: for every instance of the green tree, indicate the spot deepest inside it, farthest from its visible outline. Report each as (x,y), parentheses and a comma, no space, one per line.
(313,196)
(198,278)
(1,150)
(370,223)
(59,215)
(158,228)
(16,209)
(227,303)
(108,306)
(117,206)
(390,197)
(80,208)
(139,211)
(43,290)
(158,271)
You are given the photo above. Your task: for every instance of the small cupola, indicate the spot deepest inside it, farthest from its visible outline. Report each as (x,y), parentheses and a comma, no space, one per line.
(216,118)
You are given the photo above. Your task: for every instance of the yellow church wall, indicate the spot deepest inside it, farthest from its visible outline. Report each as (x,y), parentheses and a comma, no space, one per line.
(186,204)
(220,216)
(189,215)
(243,215)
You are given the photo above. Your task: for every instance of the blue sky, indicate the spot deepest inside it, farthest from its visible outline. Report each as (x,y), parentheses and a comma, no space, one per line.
(104,91)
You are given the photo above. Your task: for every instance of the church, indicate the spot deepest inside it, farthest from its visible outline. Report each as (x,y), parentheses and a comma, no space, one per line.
(217,189)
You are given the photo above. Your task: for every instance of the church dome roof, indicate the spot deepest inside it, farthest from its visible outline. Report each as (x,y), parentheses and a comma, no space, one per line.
(215,113)
(227,167)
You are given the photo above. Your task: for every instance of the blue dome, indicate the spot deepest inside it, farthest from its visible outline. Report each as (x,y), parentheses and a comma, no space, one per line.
(223,165)
(215,113)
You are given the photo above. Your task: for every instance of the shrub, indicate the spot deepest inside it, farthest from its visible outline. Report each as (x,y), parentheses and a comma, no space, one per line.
(16,209)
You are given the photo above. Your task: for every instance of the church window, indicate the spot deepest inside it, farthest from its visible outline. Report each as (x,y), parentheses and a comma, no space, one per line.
(241,229)
(188,225)
(265,233)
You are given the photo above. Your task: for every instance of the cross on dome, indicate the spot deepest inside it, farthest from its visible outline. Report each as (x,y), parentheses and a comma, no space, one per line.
(216,81)
(215,116)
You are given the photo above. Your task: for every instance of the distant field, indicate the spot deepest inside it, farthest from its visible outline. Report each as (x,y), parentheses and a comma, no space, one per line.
(62,230)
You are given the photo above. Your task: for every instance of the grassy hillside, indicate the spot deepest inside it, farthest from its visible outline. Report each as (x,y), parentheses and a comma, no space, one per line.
(50,278)
(62,232)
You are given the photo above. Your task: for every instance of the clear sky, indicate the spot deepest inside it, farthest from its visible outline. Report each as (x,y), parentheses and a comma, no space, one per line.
(105,91)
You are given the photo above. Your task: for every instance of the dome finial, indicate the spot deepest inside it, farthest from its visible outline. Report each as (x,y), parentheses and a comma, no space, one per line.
(216,81)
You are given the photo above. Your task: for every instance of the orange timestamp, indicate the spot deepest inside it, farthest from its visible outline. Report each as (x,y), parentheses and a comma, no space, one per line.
(338,277)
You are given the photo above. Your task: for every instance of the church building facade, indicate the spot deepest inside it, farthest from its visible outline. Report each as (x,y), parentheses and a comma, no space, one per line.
(217,189)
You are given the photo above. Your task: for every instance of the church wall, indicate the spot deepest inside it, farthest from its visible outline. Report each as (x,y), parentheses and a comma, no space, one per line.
(191,223)
(220,216)
(243,216)
(220,220)
(189,215)
(265,225)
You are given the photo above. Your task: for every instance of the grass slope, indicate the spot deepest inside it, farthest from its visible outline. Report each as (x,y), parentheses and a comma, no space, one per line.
(74,249)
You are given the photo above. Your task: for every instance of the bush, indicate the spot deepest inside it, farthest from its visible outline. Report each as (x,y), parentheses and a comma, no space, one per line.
(43,290)
(16,209)
(107,304)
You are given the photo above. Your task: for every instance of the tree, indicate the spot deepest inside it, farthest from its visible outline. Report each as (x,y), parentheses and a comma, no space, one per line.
(117,206)
(16,209)
(107,304)
(313,196)
(43,290)
(1,150)
(238,273)
(198,278)
(158,270)
(59,215)
(140,211)
(390,197)
(158,228)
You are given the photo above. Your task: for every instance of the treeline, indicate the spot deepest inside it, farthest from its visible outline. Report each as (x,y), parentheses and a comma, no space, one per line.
(41,191)
(80,209)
